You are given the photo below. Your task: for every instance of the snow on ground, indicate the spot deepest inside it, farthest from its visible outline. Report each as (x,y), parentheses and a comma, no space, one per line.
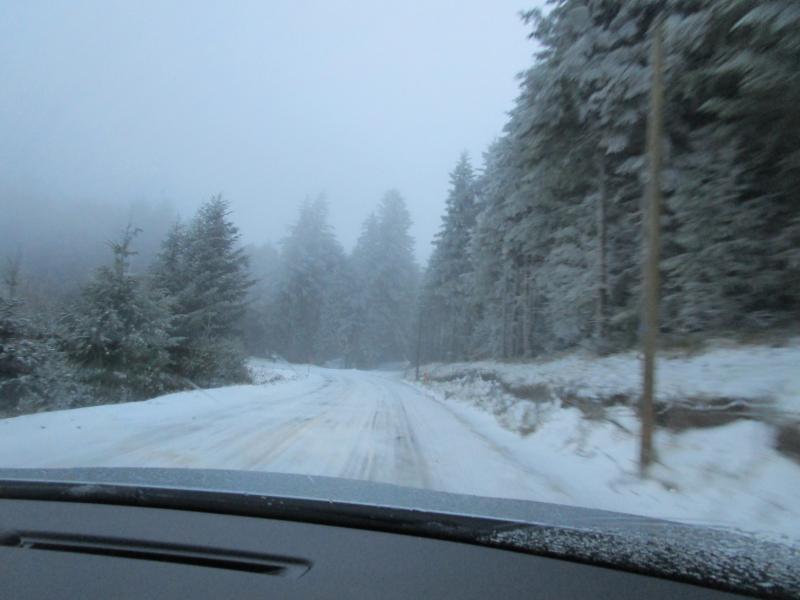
(376,426)
(730,475)
(761,373)
(264,371)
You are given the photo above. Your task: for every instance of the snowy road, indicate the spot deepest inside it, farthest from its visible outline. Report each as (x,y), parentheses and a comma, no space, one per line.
(375,426)
(353,424)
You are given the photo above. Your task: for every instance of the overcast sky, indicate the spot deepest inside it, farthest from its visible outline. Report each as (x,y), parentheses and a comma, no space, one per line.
(266,101)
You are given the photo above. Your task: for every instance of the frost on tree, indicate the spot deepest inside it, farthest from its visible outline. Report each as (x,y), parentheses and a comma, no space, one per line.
(555,244)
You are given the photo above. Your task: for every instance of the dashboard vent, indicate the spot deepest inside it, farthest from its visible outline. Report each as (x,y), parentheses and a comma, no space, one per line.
(171,553)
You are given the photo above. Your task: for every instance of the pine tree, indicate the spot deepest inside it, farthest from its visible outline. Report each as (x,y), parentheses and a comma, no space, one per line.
(488,254)
(394,285)
(556,245)
(35,374)
(386,275)
(261,323)
(214,299)
(737,227)
(310,255)
(449,300)
(119,333)
(365,261)
(169,272)
(204,271)
(338,316)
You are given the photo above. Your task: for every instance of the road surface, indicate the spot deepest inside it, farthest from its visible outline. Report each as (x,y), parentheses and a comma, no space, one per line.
(376,426)
(342,423)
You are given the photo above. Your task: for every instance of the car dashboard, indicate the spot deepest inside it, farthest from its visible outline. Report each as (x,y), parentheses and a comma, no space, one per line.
(89,550)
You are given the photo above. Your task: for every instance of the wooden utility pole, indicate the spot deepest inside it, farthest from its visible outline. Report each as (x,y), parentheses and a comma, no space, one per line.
(419,339)
(652,234)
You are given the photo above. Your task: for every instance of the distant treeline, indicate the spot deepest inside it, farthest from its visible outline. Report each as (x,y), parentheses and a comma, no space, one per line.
(191,317)
(315,303)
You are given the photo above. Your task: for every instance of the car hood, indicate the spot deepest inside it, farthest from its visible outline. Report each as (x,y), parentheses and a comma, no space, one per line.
(713,557)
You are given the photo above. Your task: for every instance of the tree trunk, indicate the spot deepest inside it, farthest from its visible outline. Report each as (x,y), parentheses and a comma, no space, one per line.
(419,342)
(517,316)
(526,321)
(602,257)
(505,316)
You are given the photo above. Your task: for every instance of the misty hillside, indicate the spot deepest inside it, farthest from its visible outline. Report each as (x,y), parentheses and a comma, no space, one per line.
(539,249)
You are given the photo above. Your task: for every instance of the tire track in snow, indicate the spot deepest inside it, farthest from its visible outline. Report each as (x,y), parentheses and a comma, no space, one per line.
(156,446)
(475,445)
(385,448)
(354,424)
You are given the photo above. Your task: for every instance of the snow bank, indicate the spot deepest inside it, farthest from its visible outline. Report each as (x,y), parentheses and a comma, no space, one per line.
(264,371)
(729,475)
(766,376)
(460,436)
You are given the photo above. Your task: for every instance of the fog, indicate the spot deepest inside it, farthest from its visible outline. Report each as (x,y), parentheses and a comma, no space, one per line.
(163,104)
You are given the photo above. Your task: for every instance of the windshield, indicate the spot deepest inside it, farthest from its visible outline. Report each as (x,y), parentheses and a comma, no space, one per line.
(543,251)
